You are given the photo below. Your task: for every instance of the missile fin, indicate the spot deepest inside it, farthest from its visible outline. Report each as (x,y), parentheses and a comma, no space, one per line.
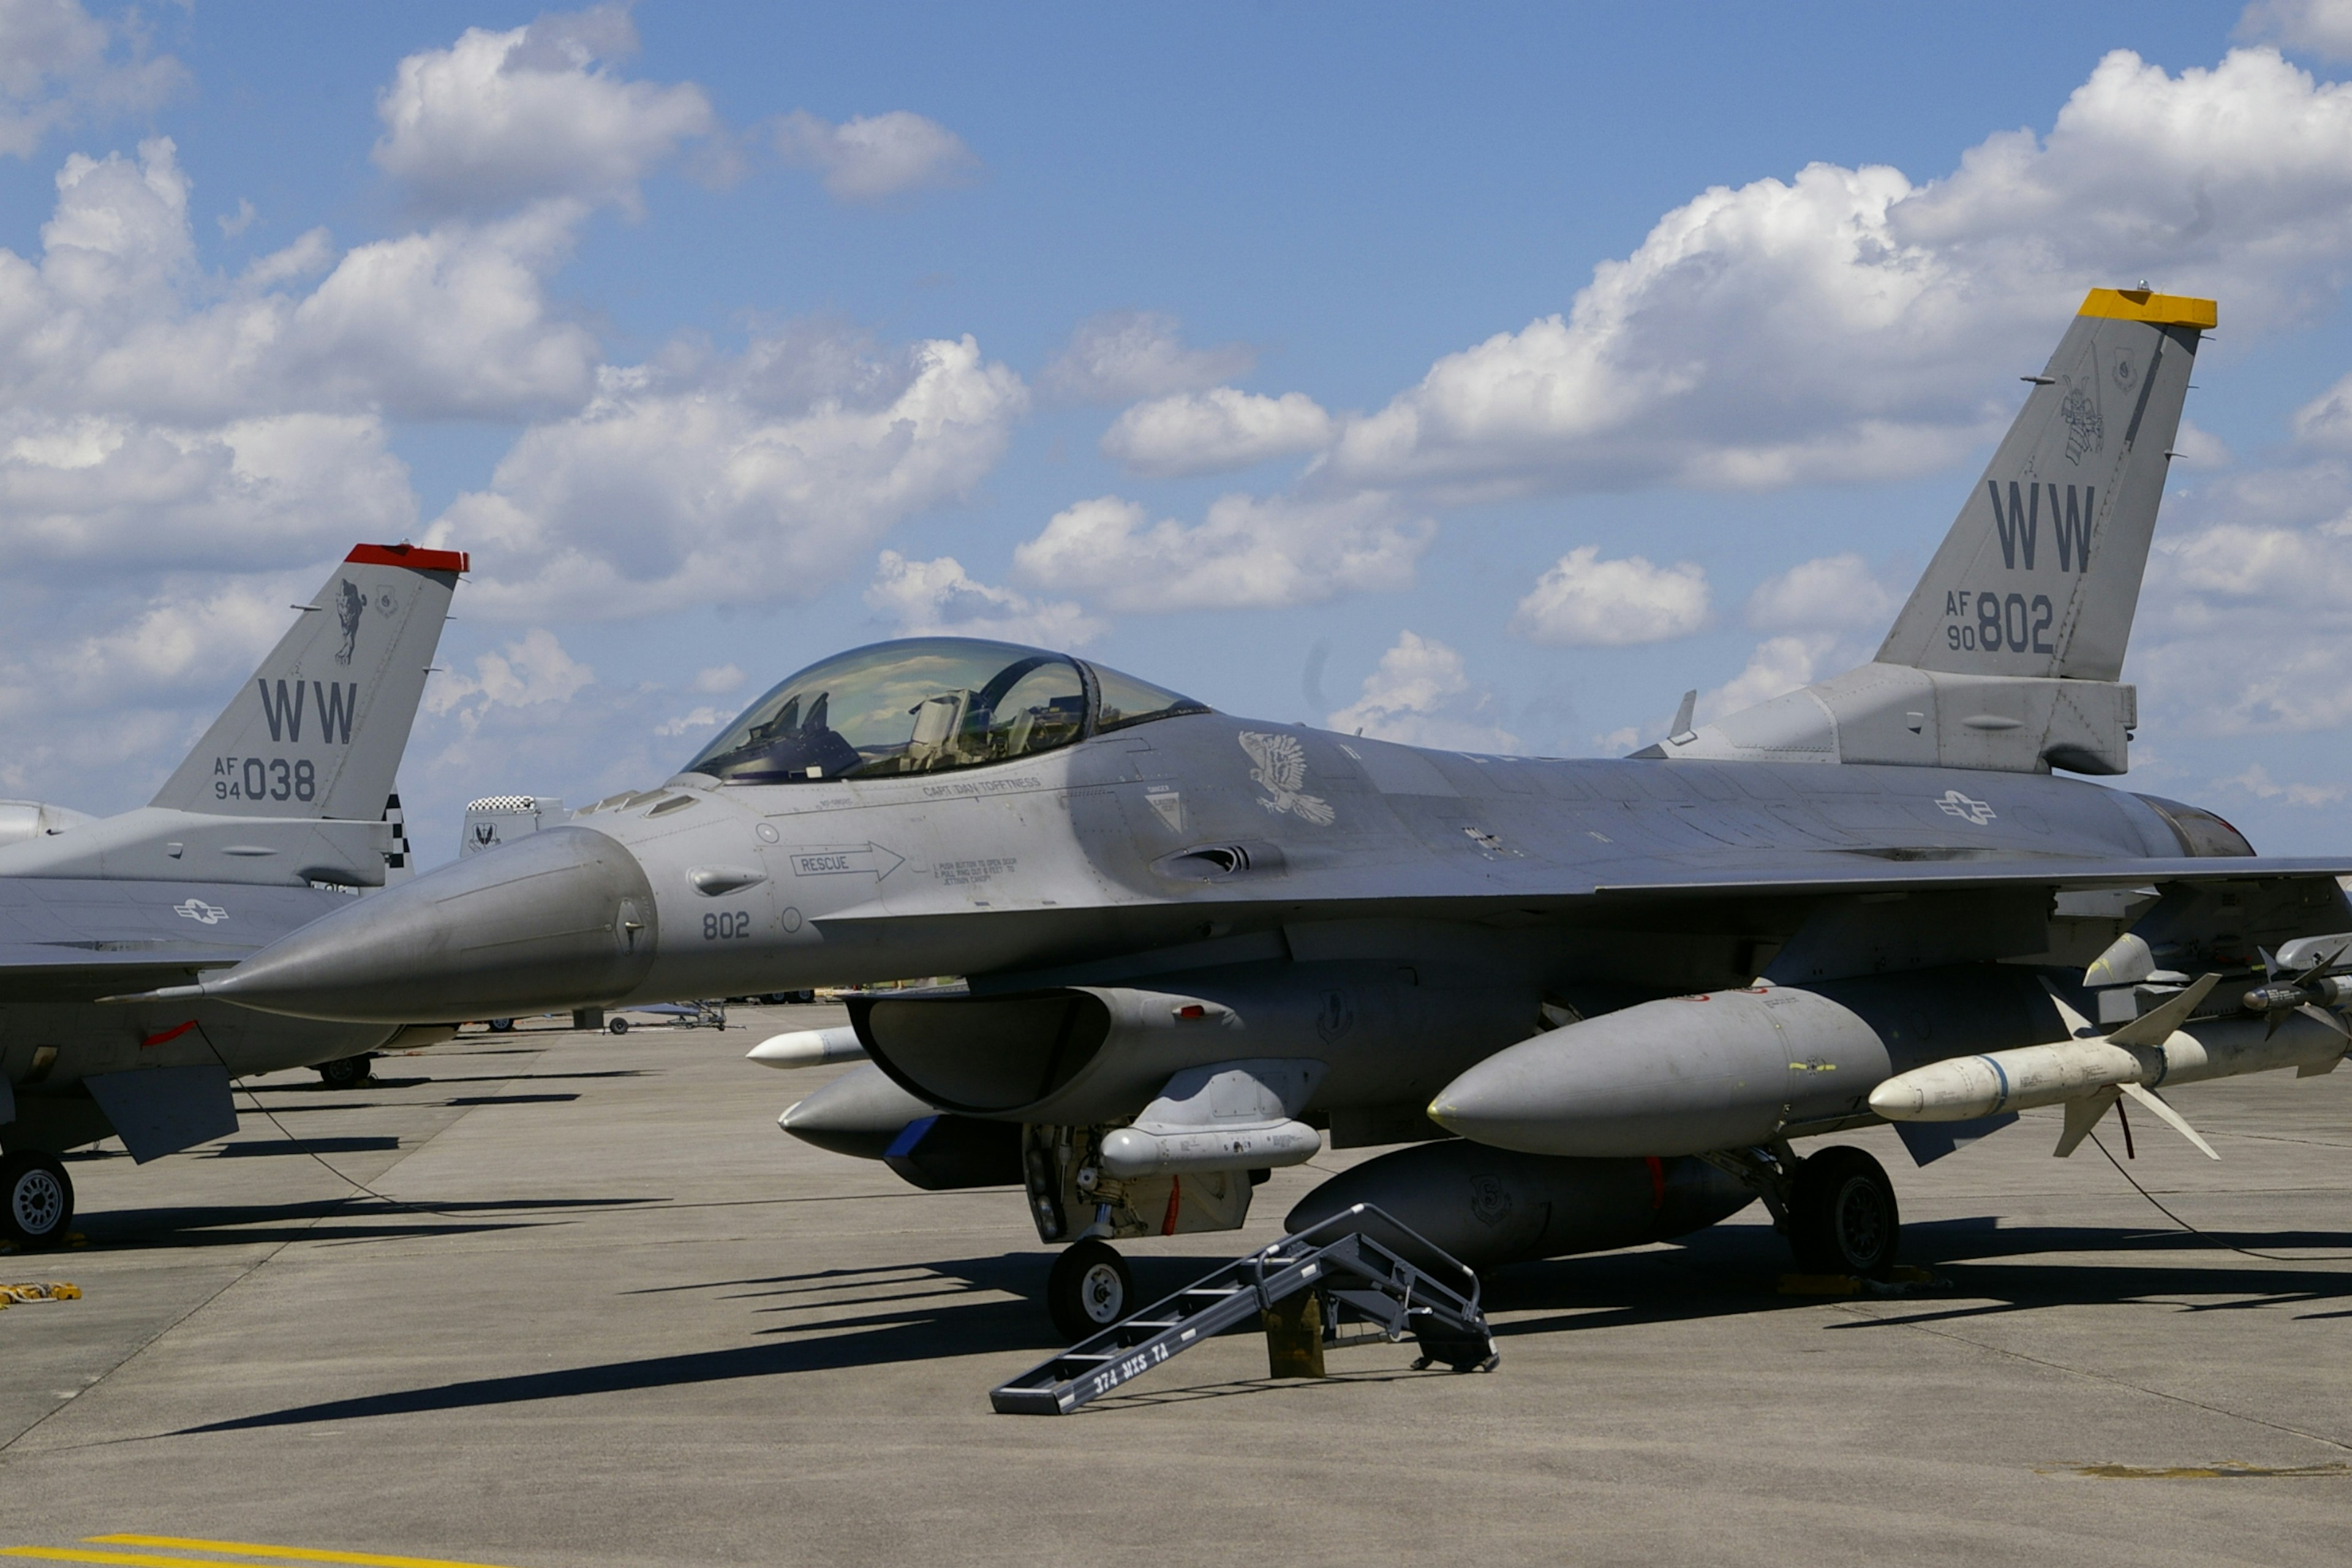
(2077,1026)
(2155,1028)
(2313,1010)
(2082,1115)
(2156,1107)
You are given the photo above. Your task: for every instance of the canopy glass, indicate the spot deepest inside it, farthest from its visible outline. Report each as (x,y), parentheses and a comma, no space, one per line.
(927,705)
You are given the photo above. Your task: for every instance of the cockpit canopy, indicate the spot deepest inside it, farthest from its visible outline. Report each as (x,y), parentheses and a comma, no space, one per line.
(926,705)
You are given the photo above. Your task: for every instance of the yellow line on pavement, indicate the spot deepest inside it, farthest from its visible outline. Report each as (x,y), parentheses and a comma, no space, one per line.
(76,1554)
(241,1548)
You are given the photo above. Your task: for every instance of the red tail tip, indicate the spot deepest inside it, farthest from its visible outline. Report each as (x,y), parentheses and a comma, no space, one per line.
(411,555)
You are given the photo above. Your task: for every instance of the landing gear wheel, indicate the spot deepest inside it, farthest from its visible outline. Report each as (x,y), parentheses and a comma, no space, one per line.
(347,1072)
(1842,1215)
(1088,1290)
(619,1025)
(500,1025)
(37,1200)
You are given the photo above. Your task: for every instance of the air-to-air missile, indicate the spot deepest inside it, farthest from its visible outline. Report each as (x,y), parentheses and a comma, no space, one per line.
(1195,947)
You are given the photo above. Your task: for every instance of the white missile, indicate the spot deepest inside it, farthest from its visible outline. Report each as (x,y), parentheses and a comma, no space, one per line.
(2161,1048)
(808,1049)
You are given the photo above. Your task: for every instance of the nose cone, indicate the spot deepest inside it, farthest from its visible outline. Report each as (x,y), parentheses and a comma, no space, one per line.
(562,919)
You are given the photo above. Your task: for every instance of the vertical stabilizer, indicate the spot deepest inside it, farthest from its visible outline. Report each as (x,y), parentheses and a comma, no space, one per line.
(2040,572)
(317,730)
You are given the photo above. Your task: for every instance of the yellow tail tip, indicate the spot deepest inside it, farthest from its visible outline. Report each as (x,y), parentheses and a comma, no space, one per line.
(2156,310)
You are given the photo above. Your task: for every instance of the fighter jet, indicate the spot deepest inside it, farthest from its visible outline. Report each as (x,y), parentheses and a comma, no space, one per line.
(282,813)
(1197,946)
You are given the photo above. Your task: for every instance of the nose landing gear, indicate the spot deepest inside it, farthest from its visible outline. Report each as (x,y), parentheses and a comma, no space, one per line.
(1088,1290)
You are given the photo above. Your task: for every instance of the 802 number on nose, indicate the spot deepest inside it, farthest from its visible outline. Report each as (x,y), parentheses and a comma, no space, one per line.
(725,925)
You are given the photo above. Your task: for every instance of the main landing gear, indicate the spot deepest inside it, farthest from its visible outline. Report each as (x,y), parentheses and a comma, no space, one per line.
(1088,1290)
(1842,1215)
(347,1072)
(37,1199)
(1837,1206)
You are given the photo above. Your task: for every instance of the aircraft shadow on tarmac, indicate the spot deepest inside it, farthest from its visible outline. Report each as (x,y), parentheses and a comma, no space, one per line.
(329,1220)
(979,1306)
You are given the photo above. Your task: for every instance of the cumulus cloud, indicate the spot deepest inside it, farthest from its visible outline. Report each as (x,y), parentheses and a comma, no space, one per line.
(1247,552)
(452,322)
(1834,593)
(2321,27)
(719,677)
(532,670)
(1422,694)
(1779,666)
(1583,601)
(872,158)
(1850,324)
(1120,357)
(928,598)
(736,480)
(498,120)
(2256,781)
(59,65)
(1212,431)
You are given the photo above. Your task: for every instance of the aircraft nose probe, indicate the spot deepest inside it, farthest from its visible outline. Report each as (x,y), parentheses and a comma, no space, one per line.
(562,919)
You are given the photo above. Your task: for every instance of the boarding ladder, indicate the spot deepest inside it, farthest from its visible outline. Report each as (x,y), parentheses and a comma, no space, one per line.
(1357,1273)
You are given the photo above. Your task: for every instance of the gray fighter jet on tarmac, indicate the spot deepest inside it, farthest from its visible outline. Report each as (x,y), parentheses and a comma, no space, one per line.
(280,814)
(1197,945)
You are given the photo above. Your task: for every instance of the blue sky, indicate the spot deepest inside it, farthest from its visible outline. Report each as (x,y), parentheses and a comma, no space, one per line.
(1482,379)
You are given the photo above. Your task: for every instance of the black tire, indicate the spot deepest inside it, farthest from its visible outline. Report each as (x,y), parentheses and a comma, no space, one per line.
(37,1200)
(1088,1290)
(618,1026)
(347,1072)
(803,997)
(500,1025)
(1843,1217)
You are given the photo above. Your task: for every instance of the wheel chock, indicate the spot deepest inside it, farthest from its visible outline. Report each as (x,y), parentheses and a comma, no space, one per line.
(38,1291)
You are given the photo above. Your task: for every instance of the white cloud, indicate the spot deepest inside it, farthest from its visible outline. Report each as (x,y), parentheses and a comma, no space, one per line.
(253,493)
(733,482)
(928,597)
(1849,324)
(1120,357)
(58,64)
(1834,593)
(450,322)
(700,721)
(1585,602)
(1779,666)
(871,158)
(498,120)
(1247,552)
(532,670)
(2256,782)
(719,677)
(1208,432)
(1422,694)
(2321,27)
(236,223)
(2325,424)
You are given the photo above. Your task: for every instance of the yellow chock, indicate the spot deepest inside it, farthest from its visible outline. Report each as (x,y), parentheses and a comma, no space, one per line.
(38,1291)
(1294,1336)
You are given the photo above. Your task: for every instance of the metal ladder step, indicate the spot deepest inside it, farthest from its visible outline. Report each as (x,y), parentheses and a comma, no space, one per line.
(1361,1275)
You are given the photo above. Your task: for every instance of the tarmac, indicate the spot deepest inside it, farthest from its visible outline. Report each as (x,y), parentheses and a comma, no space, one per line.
(611,1315)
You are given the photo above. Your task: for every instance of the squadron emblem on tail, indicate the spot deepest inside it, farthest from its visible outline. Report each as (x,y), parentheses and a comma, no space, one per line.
(1281,769)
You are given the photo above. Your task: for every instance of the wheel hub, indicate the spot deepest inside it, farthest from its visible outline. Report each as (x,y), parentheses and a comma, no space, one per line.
(1099,1291)
(1860,1222)
(36,1203)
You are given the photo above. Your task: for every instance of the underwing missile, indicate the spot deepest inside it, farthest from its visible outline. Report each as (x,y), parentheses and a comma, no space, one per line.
(808,1049)
(2161,1049)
